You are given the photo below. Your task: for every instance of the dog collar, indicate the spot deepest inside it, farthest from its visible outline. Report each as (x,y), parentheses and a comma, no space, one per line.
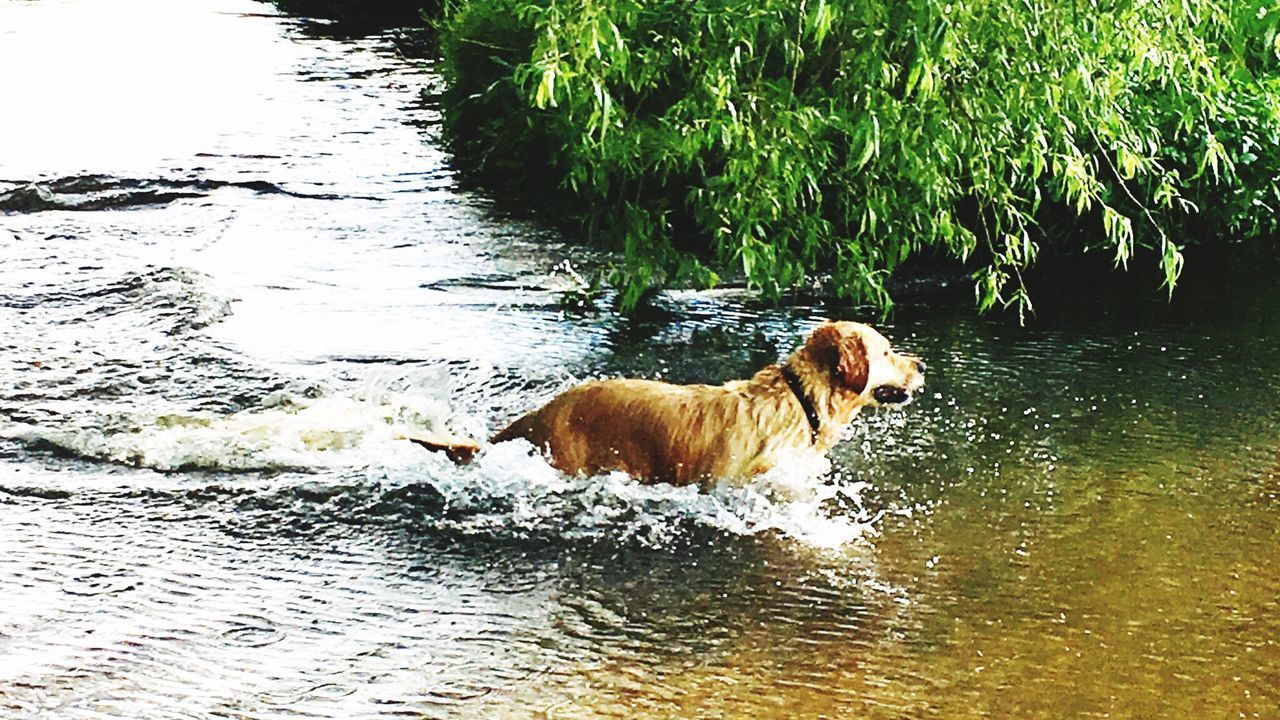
(793,382)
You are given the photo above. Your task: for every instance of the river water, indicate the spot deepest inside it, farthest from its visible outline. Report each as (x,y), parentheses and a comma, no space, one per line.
(237,265)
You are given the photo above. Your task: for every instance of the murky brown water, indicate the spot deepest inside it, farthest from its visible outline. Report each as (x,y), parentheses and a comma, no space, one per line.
(248,266)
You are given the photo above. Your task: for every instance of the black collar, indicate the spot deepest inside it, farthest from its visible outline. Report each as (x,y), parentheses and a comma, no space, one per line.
(793,382)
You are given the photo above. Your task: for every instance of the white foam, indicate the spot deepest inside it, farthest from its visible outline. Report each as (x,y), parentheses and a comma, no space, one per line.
(509,488)
(284,433)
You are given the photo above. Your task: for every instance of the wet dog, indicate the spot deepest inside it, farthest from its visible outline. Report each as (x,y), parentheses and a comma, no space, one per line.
(682,434)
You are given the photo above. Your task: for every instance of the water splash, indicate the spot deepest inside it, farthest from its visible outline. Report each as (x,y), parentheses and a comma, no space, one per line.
(512,489)
(287,431)
(509,490)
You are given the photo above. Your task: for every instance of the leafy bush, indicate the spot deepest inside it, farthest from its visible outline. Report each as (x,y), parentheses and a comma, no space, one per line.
(793,139)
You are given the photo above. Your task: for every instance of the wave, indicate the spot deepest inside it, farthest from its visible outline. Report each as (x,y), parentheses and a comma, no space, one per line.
(103,192)
(99,352)
(349,454)
(173,298)
(284,432)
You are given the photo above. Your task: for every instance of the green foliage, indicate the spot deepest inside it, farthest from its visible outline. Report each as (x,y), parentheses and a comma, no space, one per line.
(792,139)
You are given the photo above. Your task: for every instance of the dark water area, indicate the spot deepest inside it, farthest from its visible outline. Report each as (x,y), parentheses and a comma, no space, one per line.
(238,266)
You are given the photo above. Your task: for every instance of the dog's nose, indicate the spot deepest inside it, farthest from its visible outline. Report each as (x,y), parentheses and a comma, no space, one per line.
(920,366)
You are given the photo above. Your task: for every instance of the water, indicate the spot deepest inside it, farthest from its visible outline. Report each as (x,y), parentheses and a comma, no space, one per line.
(249,267)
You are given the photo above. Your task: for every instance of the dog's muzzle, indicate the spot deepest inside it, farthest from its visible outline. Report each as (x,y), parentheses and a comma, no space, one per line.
(891,395)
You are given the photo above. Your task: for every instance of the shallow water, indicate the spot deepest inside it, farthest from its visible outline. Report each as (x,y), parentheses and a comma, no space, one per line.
(248,267)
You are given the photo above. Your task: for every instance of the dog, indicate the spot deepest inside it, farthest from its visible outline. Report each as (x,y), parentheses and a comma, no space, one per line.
(683,434)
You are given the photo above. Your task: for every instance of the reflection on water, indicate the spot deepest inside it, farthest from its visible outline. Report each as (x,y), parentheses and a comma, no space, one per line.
(232,280)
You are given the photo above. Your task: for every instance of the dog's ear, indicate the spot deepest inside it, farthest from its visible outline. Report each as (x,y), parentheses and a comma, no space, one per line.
(846,356)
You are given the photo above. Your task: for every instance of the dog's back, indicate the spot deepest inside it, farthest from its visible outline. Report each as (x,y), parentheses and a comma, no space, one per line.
(668,433)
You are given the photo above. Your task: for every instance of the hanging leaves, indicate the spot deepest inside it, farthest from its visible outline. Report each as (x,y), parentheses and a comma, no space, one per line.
(785,140)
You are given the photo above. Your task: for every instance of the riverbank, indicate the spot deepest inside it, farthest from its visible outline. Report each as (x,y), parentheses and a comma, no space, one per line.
(207,512)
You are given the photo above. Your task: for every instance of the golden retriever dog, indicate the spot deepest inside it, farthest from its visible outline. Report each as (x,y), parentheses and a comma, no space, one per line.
(682,434)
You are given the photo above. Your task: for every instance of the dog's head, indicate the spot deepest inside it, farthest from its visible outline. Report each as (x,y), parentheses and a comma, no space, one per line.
(863,365)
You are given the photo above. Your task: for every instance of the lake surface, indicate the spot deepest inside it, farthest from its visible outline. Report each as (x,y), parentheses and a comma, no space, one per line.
(247,267)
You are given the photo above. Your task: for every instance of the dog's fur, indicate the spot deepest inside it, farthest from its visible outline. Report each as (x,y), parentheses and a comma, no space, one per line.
(683,434)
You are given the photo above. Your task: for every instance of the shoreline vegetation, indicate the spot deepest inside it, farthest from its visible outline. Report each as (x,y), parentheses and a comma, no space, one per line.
(792,144)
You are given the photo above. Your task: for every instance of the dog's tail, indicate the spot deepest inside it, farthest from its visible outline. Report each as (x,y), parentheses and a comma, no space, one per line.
(459,450)
(463,450)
